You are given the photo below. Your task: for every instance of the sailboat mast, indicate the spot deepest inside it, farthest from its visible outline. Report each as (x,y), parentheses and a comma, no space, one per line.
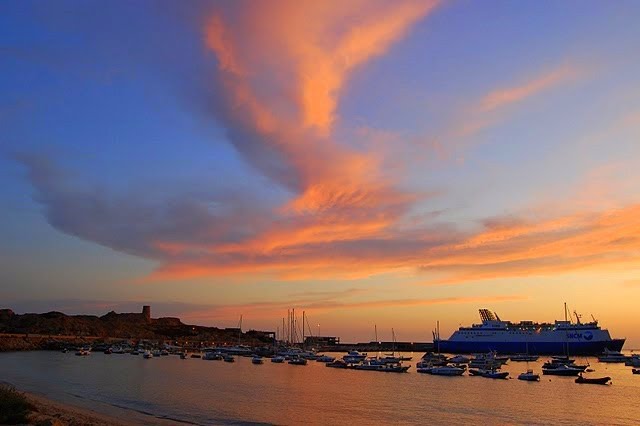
(303,329)
(438,334)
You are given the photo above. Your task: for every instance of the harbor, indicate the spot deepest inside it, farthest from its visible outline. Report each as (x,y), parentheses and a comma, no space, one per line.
(200,391)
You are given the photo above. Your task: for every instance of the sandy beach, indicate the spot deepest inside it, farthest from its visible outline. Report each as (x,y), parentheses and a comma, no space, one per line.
(50,412)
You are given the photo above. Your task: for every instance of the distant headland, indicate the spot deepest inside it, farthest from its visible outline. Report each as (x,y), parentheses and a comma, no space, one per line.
(54,329)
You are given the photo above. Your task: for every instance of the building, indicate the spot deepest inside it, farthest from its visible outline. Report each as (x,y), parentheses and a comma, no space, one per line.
(321,341)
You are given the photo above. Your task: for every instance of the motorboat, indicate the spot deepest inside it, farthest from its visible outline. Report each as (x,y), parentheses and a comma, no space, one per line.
(325,358)
(444,370)
(562,370)
(489,374)
(108,351)
(156,353)
(612,356)
(635,370)
(633,361)
(212,356)
(488,361)
(353,357)
(383,367)
(529,376)
(183,355)
(523,358)
(338,363)
(196,355)
(147,355)
(229,358)
(257,360)
(593,381)
(459,359)
(298,361)
(279,359)
(83,352)
(65,350)
(164,352)
(434,359)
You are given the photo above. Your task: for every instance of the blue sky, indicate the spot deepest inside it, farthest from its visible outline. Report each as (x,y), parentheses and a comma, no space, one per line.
(408,160)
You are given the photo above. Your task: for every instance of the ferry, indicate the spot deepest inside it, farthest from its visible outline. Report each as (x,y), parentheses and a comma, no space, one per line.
(505,337)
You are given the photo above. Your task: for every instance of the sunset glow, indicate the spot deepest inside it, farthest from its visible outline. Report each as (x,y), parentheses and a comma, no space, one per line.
(369,162)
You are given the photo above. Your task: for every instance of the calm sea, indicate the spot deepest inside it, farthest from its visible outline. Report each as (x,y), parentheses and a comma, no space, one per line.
(214,392)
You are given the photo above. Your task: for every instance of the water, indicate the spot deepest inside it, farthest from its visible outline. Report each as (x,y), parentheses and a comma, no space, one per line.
(214,392)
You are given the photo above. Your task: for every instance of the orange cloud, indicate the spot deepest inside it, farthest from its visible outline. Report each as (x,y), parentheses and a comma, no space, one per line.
(503,97)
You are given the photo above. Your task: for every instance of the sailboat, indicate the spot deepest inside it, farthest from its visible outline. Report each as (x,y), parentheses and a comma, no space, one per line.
(529,375)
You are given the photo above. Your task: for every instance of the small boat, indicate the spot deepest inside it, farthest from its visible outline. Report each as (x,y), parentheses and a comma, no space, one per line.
(529,376)
(156,353)
(147,355)
(371,365)
(395,368)
(495,374)
(135,352)
(459,359)
(593,381)
(212,356)
(635,370)
(196,355)
(183,355)
(325,358)
(612,356)
(278,359)
(298,361)
(354,357)
(338,363)
(65,350)
(83,352)
(257,360)
(523,358)
(633,361)
(489,374)
(164,352)
(108,351)
(445,370)
(229,358)
(432,359)
(562,370)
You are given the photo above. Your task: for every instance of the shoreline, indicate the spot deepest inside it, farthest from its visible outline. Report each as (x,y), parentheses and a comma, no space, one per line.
(48,411)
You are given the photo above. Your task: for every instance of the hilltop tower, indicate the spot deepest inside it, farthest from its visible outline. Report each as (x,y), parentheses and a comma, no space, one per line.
(146,313)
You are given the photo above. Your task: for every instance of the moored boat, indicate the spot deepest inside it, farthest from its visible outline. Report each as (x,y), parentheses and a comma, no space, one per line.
(354,357)
(529,376)
(229,358)
(612,357)
(257,360)
(523,358)
(338,363)
(298,361)
(147,355)
(325,358)
(444,370)
(633,361)
(278,359)
(562,370)
(635,370)
(593,381)
(489,374)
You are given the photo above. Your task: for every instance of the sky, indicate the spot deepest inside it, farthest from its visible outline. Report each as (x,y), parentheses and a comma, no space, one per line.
(376,164)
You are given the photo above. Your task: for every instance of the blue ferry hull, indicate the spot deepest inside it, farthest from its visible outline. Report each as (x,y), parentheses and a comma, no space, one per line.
(533,348)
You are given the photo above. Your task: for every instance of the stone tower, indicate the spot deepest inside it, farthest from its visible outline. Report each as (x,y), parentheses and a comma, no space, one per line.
(146,312)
